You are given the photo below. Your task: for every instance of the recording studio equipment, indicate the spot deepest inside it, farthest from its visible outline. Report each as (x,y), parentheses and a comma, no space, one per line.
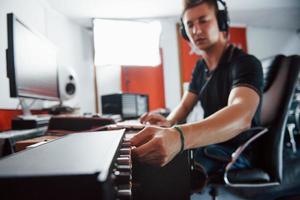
(222,18)
(31,69)
(77,123)
(88,165)
(67,83)
(31,62)
(127,105)
(30,122)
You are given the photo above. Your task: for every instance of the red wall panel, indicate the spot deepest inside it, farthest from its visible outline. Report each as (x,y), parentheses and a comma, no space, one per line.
(145,80)
(7,115)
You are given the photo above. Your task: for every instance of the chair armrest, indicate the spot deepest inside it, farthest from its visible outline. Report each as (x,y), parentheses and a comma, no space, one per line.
(260,131)
(253,134)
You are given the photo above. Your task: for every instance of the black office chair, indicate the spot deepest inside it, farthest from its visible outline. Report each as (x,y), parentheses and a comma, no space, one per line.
(280,77)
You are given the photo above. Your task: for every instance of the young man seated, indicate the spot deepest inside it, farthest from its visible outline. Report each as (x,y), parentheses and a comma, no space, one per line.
(227,82)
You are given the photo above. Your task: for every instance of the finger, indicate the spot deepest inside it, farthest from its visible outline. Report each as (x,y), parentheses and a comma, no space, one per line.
(155,119)
(164,124)
(142,118)
(147,118)
(142,137)
(145,150)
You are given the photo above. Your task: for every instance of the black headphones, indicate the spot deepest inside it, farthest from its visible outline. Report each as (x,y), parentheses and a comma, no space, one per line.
(222,18)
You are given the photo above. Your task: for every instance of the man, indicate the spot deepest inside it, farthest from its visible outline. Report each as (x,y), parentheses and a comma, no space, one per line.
(227,82)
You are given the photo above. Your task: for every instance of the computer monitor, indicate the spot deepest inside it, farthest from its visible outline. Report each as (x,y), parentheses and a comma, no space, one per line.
(31,63)
(128,105)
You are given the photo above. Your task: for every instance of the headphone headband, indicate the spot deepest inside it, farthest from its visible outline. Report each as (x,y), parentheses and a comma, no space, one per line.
(223,4)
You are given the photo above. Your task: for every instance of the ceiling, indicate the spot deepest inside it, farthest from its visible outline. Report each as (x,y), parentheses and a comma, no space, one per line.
(262,13)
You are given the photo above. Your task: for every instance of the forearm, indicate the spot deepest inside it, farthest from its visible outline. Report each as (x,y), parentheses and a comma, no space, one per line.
(183,109)
(219,127)
(178,114)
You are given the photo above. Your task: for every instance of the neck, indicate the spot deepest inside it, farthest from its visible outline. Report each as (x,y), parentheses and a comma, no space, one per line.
(213,55)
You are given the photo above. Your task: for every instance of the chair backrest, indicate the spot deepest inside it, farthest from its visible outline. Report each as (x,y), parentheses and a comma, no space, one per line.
(280,78)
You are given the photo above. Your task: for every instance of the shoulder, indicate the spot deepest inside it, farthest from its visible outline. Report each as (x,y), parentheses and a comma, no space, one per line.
(200,65)
(248,59)
(245,62)
(198,69)
(246,70)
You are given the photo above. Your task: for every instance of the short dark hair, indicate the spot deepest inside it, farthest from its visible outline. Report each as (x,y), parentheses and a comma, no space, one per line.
(188,4)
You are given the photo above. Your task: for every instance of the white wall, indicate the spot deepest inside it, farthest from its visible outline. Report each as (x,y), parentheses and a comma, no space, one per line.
(169,43)
(74,43)
(75,46)
(266,42)
(108,81)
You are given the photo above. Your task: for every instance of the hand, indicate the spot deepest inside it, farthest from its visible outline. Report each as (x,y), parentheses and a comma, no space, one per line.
(156,145)
(155,119)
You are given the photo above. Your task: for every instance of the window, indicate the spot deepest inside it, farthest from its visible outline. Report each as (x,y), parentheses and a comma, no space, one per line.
(121,42)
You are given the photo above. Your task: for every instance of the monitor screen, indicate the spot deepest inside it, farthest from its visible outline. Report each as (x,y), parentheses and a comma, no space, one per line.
(31,62)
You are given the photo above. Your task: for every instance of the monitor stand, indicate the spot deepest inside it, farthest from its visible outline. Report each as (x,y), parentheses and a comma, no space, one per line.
(27,120)
(25,107)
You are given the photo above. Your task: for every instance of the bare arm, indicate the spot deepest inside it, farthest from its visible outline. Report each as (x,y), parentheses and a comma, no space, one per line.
(158,146)
(187,102)
(227,122)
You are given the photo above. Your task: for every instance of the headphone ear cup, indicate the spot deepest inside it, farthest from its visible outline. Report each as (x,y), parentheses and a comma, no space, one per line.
(183,32)
(222,20)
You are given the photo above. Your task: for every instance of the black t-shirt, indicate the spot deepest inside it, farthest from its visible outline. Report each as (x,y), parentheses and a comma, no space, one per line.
(235,68)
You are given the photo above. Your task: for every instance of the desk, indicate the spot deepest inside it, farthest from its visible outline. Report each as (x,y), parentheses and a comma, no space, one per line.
(9,138)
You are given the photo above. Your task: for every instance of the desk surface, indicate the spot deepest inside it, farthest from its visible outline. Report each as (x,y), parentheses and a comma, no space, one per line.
(9,138)
(22,133)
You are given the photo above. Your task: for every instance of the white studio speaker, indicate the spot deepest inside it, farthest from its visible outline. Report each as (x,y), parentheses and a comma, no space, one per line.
(67,83)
